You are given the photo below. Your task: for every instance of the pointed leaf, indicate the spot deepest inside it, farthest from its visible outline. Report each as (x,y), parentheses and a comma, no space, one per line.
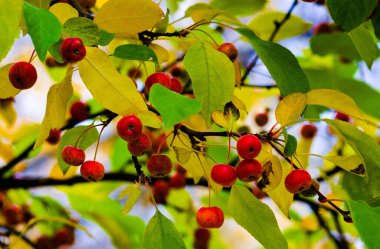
(290,146)
(7,89)
(135,52)
(256,217)
(272,174)
(133,193)
(353,163)
(290,108)
(82,28)
(63,12)
(114,91)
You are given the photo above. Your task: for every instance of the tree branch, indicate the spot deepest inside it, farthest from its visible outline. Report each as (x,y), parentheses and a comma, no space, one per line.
(20,235)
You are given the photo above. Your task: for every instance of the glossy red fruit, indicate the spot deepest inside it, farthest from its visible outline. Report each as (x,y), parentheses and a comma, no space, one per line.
(308,131)
(13,214)
(79,111)
(177,181)
(201,238)
(140,146)
(54,136)
(63,236)
(74,156)
(223,174)
(343,117)
(158,141)
(181,170)
(129,128)
(248,146)
(297,181)
(210,217)
(160,78)
(22,75)
(73,50)
(261,119)
(159,165)
(176,85)
(92,171)
(160,191)
(249,170)
(44,242)
(230,50)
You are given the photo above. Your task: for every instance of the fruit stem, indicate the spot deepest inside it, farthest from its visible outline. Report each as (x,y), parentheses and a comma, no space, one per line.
(31,57)
(97,144)
(163,141)
(88,128)
(151,194)
(229,149)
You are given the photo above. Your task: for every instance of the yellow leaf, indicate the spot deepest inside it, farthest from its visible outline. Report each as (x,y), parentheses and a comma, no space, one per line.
(290,108)
(303,147)
(335,100)
(6,151)
(265,153)
(114,91)
(8,112)
(132,16)
(219,119)
(56,105)
(161,52)
(63,11)
(353,164)
(56,172)
(7,89)
(150,119)
(272,174)
(280,195)
(133,192)
(263,24)
(15,242)
(239,105)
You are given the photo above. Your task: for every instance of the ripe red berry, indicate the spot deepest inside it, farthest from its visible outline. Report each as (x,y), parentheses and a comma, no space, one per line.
(201,238)
(54,136)
(248,146)
(64,236)
(261,118)
(230,50)
(308,131)
(140,146)
(74,156)
(22,75)
(297,181)
(160,191)
(44,242)
(322,28)
(73,50)
(159,165)
(223,174)
(176,85)
(79,111)
(160,78)
(343,117)
(92,171)
(13,214)
(177,181)
(181,170)
(129,128)
(249,170)
(210,217)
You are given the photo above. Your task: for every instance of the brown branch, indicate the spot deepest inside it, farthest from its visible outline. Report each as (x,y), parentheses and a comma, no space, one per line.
(20,235)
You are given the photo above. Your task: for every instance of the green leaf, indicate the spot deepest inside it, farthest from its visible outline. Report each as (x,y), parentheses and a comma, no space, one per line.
(365,44)
(213,77)
(105,38)
(256,217)
(55,51)
(365,147)
(335,43)
(281,63)
(161,233)
(239,7)
(82,28)
(43,4)
(172,106)
(376,21)
(120,154)
(264,23)
(366,220)
(290,146)
(56,106)
(43,27)
(70,138)
(135,52)
(10,18)
(133,193)
(162,25)
(349,14)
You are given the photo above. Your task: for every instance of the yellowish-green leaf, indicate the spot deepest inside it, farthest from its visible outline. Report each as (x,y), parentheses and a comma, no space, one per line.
(132,16)
(114,91)
(353,164)
(56,105)
(8,112)
(280,195)
(150,119)
(335,100)
(133,193)
(221,120)
(7,89)
(161,52)
(63,12)
(263,25)
(265,153)
(182,155)
(272,174)
(290,108)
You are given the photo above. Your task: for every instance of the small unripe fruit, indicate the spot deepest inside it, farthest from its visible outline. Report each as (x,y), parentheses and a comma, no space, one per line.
(13,214)
(79,111)
(159,165)
(223,174)
(297,181)
(54,136)
(308,131)
(140,146)
(230,50)
(210,217)
(343,117)
(248,146)
(161,78)
(176,85)
(261,118)
(177,181)
(74,156)
(92,171)
(22,75)
(249,170)
(160,191)
(129,128)
(72,50)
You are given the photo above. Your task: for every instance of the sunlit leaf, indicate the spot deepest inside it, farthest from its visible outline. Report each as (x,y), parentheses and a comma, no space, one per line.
(290,108)
(150,119)
(7,89)
(239,7)
(82,28)
(353,163)
(133,193)
(161,52)
(8,112)
(272,174)
(135,52)
(63,11)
